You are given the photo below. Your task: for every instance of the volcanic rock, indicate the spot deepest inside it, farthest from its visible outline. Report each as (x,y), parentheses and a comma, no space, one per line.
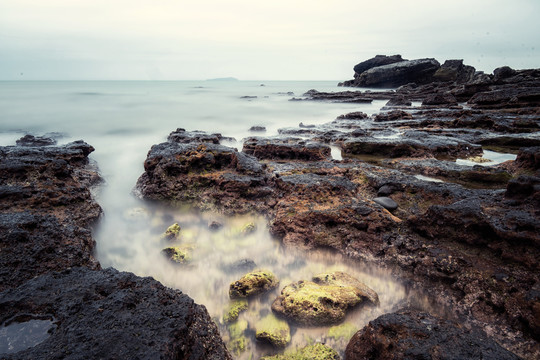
(411,334)
(418,71)
(111,314)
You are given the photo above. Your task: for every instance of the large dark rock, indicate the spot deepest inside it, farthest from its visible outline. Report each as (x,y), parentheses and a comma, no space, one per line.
(46,210)
(454,71)
(411,335)
(378,60)
(418,71)
(284,148)
(110,315)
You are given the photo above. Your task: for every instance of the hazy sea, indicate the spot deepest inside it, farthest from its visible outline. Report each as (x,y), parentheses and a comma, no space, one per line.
(122,120)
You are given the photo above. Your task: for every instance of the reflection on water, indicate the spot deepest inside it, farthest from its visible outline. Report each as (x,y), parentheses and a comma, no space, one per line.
(135,241)
(18,336)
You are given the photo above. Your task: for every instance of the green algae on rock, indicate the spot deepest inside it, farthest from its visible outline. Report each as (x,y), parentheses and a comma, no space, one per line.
(238,342)
(322,301)
(172,232)
(253,283)
(340,278)
(179,254)
(234,309)
(273,330)
(342,332)
(248,228)
(310,352)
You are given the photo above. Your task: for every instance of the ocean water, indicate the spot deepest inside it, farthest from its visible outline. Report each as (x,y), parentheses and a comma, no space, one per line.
(122,120)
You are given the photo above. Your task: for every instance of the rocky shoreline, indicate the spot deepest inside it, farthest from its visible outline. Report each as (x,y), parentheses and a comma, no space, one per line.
(465,235)
(414,191)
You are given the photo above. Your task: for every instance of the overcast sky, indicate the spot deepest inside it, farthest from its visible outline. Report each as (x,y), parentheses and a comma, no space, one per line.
(256,40)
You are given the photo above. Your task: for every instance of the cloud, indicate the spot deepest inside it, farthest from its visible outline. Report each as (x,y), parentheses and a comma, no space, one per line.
(256,40)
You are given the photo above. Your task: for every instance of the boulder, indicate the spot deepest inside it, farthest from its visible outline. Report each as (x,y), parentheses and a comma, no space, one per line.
(322,301)
(410,334)
(253,283)
(110,314)
(311,352)
(273,330)
(378,60)
(418,71)
(454,71)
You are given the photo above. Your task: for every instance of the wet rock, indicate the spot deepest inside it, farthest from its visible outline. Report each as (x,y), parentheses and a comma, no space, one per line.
(273,330)
(215,225)
(507,97)
(440,100)
(398,100)
(378,60)
(386,202)
(393,116)
(385,190)
(182,136)
(248,228)
(322,301)
(524,187)
(417,335)
(285,149)
(111,314)
(180,255)
(311,352)
(31,140)
(257,129)
(529,158)
(253,283)
(241,265)
(172,232)
(393,75)
(234,310)
(454,71)
(357,115)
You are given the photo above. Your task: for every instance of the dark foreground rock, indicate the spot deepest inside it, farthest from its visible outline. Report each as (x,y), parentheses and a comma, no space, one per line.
(111,315)
(56,302)
(416,335)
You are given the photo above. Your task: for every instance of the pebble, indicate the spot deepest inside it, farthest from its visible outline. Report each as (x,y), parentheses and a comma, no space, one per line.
(386,202)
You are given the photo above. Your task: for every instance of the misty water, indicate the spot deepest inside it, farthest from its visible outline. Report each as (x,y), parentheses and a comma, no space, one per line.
(122,120)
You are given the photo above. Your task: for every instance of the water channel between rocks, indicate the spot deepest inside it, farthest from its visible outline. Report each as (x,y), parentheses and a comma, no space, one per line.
(138,243)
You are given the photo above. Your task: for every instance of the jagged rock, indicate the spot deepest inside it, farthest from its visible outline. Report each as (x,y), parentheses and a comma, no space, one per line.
(418,71)
(454,71)
(111,314)
(417,335)
(378,60)
(393,116)
(285,149)
(31,140)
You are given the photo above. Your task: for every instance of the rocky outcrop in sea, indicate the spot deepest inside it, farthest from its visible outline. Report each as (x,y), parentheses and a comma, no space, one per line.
(417,190)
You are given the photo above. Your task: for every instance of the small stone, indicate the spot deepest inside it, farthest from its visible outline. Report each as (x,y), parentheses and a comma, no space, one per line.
(248,228)
(215,225)
(178,254)
(172,232)
(234,310)
(257,129)
(386,202)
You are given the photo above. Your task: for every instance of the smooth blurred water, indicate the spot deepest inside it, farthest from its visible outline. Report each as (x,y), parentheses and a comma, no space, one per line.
(122,120)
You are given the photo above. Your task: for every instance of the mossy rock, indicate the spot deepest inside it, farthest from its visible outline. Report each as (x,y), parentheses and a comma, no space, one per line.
(340,278)
(234,309)
(253,283)
(323,301)
(172,232)
(237,346)
(342,332)
(273,330)
(248,228)
(310,352)
(181,255)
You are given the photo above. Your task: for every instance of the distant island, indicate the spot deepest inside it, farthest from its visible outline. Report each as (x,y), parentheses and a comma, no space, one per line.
(223,79)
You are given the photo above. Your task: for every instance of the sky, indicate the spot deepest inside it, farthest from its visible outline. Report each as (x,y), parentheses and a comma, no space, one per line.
(256,40)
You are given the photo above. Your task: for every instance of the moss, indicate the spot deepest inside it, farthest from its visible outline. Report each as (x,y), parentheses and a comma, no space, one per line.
(248,228)
(234,309)
(344,332)
(237,329)
(172,232)
(237,346)
(179,254)
(253,283)
(310,352)
(273,330)
(324,301)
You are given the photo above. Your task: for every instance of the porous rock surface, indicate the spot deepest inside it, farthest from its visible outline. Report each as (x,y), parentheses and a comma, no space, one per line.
(111,314)
(411,334)
(48,272)
(465,236)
